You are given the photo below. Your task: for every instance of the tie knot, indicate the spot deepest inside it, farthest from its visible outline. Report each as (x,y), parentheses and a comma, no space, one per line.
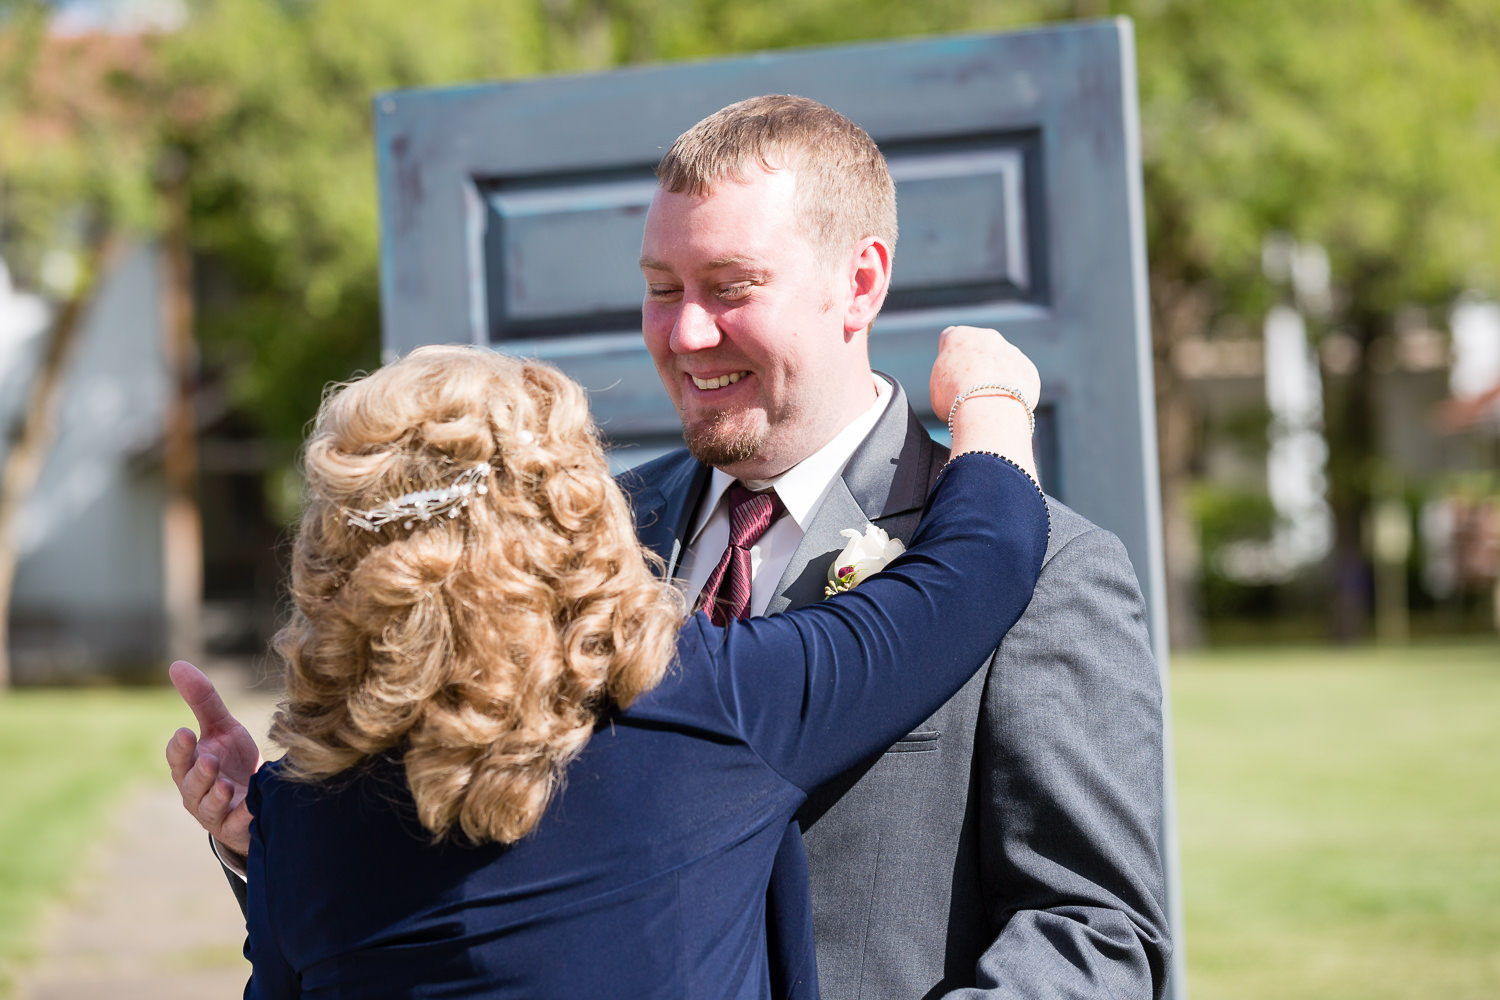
(750,514)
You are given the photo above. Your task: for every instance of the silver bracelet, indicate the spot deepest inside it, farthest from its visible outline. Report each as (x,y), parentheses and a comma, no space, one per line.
(1006,390)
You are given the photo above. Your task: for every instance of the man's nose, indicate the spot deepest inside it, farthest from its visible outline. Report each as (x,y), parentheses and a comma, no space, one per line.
(695,329)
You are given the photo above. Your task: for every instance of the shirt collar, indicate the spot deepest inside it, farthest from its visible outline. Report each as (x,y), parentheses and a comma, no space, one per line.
(803,486)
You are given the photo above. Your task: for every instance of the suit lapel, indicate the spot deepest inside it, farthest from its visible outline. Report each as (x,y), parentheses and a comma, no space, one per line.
(885,483)
(664,496)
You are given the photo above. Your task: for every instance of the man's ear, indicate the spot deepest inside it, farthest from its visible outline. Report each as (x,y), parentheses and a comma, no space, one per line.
(869,280)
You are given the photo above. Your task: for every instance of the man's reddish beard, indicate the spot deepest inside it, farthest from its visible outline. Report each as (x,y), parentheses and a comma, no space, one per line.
(726,437)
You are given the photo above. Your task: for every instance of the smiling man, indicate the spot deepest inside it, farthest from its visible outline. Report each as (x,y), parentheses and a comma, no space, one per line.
(1005,848)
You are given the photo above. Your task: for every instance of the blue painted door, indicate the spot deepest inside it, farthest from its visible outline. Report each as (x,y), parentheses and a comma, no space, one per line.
(512,216)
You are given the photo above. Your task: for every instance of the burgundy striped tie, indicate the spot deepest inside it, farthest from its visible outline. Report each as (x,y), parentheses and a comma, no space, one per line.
(727,592)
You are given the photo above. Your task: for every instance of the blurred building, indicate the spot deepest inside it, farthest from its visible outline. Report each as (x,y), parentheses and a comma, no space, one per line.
(1475,377)
(1259,395)
(88,585)
(1461,526)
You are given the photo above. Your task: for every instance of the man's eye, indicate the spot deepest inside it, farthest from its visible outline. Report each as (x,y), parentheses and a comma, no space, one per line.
(738,290)
(662,293)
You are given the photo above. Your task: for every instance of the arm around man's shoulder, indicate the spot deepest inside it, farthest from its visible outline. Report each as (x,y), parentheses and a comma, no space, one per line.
(1070,761)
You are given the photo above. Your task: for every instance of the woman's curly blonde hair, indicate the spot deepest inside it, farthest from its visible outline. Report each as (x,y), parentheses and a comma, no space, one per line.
(483,647)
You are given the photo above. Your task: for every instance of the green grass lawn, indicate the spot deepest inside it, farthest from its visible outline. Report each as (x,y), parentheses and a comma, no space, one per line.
(1339,814)
(65,758)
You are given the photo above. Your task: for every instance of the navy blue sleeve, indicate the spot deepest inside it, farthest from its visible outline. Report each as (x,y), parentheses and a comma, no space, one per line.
(271,975)
(816,690)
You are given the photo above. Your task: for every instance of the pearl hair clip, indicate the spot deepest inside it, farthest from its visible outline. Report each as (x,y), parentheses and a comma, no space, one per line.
(424,505)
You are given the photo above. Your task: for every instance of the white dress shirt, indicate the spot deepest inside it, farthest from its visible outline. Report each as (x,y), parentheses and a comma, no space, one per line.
(801,489)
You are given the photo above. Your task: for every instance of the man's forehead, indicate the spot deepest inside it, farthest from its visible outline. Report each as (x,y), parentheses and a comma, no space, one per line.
(737,224)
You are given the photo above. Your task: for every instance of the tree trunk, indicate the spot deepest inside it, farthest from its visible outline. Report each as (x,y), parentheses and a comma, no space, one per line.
(33,435)
(182,533)
(1352,428)
(1179,312)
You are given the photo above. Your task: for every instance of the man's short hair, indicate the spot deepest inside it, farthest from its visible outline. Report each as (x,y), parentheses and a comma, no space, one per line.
(844,188)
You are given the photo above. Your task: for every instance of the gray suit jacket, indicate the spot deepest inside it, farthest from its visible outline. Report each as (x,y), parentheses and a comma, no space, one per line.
(1007,846)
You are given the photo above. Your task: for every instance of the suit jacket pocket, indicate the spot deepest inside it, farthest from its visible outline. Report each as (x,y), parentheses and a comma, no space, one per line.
(917,741)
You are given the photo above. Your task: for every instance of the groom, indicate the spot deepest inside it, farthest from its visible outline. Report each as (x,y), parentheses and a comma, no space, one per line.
(1009,843)
(1007,847)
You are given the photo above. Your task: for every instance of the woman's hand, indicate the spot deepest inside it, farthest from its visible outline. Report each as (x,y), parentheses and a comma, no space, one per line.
(996,418)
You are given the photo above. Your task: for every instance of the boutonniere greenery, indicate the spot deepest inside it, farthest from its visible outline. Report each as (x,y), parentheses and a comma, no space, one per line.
(866,554)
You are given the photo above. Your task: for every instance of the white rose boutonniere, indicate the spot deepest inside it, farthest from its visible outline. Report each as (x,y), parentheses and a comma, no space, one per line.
(865,555)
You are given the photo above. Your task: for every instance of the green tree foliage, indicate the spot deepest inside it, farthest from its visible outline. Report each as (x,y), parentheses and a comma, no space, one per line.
(76,139)
(1370,128)
(271,109)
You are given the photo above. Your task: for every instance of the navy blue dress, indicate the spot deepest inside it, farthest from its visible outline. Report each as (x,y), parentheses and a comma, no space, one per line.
(646,876)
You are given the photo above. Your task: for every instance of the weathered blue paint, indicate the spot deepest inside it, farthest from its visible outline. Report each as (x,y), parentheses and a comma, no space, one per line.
(512,216)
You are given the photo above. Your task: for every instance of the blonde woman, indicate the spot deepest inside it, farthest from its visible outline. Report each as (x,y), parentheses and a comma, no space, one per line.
(514,765)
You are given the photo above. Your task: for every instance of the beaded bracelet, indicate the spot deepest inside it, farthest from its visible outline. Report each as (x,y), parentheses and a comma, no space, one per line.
(1004,390)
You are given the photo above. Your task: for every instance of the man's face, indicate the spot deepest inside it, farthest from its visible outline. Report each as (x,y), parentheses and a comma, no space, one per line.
(745,323)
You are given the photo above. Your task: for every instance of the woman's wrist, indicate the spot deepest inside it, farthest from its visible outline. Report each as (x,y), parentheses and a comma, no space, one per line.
(994,422)
(1003,389)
